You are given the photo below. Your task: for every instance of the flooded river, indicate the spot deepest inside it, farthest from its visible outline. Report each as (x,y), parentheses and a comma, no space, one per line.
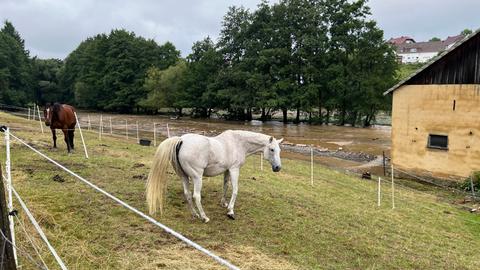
(338,142)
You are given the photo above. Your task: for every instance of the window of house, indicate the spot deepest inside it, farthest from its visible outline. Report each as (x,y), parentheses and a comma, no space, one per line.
(413,50)
(438,141)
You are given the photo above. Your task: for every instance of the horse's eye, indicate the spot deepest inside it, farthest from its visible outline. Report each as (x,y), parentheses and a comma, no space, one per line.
(271,150)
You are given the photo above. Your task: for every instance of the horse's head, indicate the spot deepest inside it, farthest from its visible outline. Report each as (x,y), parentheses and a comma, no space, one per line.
(47,114)
(271,152)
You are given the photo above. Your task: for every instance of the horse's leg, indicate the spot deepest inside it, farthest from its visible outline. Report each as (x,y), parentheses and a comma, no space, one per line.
(54,135)
(234,173)
(67,141)
(197,189)
(71,135)
(188,195)
(226,178)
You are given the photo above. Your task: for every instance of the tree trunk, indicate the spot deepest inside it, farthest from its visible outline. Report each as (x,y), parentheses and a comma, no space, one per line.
(353,121)
(263,116)
(297,118)
(343,115)
(268,115)
(320,106)
(249,114)
(327,117)
(285,115)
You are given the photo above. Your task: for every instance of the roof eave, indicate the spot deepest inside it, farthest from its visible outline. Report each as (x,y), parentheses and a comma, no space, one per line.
(433,60)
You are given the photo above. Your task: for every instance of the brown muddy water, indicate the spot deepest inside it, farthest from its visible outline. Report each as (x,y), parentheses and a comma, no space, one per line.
(354,149)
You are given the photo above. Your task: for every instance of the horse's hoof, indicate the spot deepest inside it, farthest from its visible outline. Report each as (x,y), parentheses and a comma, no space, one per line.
(223,204)
(206,219)
(231,216)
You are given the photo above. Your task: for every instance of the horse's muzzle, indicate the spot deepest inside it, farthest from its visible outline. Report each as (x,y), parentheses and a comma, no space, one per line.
(276,168)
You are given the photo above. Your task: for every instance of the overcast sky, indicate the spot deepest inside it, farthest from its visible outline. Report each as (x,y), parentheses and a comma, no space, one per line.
(55,28)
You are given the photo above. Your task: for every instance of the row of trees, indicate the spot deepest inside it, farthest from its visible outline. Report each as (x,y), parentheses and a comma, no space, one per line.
(322,57)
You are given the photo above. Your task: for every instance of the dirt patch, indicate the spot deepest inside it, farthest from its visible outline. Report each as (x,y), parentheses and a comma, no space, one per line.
(58,178)
(139,177)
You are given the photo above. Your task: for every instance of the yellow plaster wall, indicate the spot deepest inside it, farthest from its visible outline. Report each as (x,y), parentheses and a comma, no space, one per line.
(419,110)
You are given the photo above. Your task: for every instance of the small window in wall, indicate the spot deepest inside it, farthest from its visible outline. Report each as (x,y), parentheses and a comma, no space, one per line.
(438,141)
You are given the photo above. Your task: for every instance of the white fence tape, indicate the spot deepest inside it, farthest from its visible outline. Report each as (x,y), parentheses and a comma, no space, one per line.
(136,211)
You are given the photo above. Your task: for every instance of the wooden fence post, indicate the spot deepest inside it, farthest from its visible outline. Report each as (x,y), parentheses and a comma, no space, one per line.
(8,258)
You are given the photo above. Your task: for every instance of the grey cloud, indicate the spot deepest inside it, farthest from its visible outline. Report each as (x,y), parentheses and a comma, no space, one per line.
(424,19)
(55,28)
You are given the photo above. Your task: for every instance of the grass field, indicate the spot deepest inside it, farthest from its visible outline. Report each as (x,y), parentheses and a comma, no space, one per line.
(282,221)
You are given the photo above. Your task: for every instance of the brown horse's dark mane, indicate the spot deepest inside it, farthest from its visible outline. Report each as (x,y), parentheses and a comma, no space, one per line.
(56,108)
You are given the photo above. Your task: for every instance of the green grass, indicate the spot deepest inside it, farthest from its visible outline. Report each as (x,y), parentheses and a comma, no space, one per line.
(282,221)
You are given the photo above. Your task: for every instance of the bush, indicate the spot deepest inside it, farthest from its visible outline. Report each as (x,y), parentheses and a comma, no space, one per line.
(476,183)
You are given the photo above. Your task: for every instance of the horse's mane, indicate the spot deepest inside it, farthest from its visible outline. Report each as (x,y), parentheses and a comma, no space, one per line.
(56,108)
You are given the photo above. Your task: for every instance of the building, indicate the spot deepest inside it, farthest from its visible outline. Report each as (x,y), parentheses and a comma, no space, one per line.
(409,51)
(401,40)
(436,115)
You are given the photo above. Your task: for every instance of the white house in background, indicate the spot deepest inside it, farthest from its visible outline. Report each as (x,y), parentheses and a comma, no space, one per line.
(409,51)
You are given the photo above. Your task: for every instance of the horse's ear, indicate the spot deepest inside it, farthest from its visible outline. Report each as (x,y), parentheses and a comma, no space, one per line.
(271,140)
(280,141)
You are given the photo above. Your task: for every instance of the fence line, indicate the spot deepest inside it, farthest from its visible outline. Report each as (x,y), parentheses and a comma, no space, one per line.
(39,230)
(393,203)
(9,190)
(433,183)
(136,211)
(39,118)
(22,225)
(15,247)
(88,123)
(363,189)
(81,135)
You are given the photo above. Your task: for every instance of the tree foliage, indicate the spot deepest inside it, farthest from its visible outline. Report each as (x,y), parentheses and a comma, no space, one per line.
(466,32)
(320,57)
(165,87)
(323,58)
(15,68)
(107,72)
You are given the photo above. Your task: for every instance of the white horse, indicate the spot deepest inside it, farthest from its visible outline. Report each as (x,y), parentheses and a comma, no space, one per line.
(193,156)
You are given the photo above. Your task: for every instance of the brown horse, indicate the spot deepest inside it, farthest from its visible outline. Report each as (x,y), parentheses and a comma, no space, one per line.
(61,116)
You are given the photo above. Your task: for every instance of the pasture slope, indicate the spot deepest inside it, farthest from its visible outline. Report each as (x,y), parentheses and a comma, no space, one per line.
(282,221)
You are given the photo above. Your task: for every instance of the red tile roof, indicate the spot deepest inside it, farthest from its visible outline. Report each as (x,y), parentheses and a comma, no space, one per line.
(401,40)
(428,46)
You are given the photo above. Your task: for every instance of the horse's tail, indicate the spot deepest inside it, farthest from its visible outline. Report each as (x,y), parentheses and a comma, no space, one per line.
(157,178)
